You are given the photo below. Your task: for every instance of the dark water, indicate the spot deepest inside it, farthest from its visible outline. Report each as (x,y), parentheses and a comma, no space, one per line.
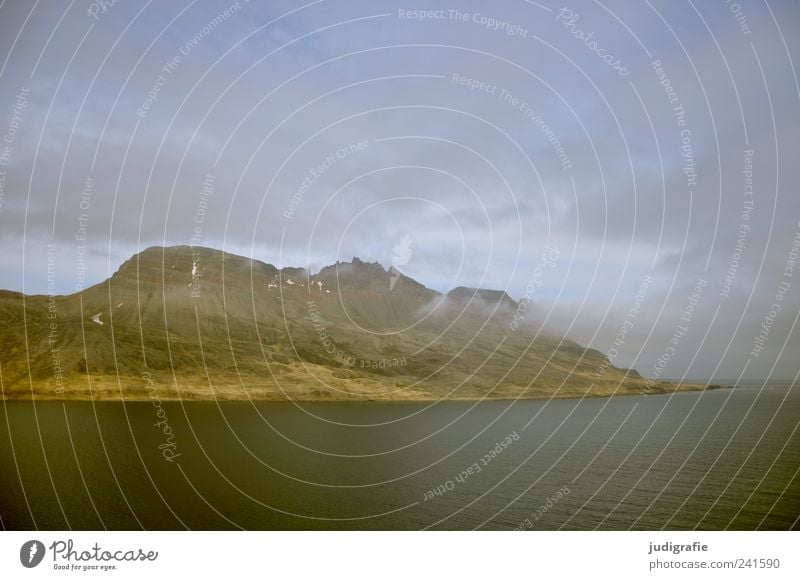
(720,459)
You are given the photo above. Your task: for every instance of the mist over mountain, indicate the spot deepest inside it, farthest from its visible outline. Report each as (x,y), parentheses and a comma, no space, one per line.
(198,323)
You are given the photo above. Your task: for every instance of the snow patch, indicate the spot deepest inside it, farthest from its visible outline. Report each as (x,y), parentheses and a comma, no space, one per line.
(96,318)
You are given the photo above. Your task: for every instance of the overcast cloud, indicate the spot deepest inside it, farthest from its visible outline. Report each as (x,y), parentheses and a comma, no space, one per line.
(332,129)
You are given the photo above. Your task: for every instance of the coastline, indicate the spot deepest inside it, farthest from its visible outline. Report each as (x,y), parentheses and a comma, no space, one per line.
(226,395)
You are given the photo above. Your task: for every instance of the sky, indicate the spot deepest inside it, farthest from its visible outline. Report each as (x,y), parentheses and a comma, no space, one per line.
(630,169)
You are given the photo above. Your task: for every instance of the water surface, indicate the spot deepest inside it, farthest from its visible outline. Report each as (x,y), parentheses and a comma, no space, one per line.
(713,460)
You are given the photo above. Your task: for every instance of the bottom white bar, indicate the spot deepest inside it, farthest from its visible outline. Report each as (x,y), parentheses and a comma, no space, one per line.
(354,555)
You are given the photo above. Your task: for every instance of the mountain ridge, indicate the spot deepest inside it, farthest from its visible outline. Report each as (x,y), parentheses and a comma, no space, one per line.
(189,322)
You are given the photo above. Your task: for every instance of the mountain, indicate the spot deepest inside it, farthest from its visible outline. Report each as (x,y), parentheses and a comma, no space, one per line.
(197,323)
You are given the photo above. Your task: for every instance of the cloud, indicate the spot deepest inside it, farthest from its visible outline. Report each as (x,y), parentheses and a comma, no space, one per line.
(484,137)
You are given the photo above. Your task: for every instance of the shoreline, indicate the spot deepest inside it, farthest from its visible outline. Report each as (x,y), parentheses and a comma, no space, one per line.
(261,398)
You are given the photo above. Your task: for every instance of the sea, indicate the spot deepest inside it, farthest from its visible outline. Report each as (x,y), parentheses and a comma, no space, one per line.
(725,459)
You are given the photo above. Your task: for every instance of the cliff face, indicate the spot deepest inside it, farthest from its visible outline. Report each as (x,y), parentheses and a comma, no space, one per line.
(197,323)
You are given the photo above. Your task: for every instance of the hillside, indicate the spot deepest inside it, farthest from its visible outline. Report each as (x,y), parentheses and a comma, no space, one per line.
(198,323)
